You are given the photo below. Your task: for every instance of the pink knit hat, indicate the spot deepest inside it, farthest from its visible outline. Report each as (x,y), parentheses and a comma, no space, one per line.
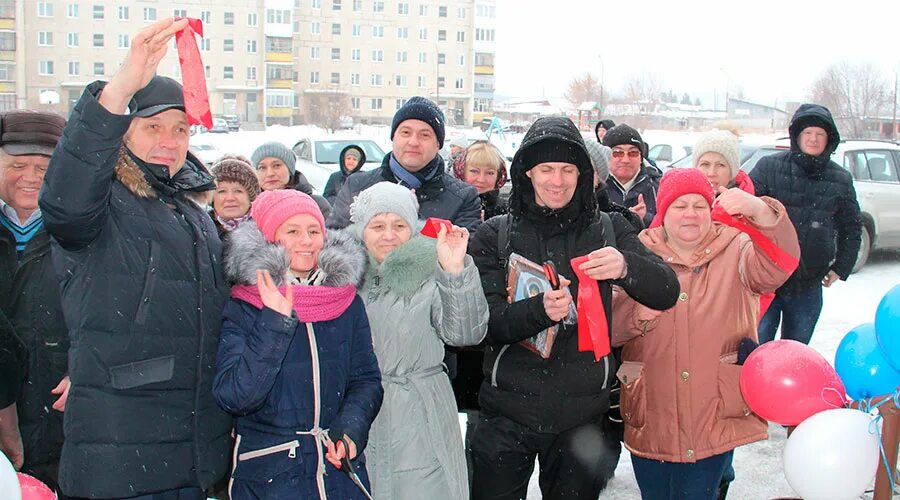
(676,183)
(271,208)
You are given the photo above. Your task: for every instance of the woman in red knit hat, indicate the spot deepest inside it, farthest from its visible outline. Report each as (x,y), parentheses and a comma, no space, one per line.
(681,401)
(295,363)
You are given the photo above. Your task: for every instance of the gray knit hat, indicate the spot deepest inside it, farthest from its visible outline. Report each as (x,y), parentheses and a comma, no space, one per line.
(381,198)
(600,156)
(719,141)
(275,150)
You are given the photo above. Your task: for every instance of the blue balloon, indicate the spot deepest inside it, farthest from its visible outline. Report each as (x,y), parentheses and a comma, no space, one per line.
(862,365)
(887,326)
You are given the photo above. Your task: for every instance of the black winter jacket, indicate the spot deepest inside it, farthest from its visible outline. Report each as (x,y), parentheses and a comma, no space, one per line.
(35,312)
(569,388)
(301,183)
(142,292)
(444,196)
(646,183)
(820,201)
(337,179)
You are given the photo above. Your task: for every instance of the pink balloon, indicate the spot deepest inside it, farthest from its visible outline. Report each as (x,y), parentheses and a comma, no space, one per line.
(785,381)
(33,489)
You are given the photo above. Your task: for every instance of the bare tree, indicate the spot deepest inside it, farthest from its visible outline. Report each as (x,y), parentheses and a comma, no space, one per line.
(325,109)
(584,88)
(853,93)
(643,86)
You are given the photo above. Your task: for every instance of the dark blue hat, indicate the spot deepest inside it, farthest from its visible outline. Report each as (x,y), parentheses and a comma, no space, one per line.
(420,108)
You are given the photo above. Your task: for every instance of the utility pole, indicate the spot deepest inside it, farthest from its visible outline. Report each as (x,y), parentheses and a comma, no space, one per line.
(894,118)
(602,109)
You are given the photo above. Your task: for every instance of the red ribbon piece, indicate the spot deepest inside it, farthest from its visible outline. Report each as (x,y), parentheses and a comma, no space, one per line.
(433,226)
(787,262)
(593,331)
(193,76)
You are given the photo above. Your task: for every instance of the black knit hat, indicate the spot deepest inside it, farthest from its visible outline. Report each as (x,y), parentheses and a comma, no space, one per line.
(160,94)
(236,168)
(552,151)
(24,132)
(622,135)
(420,108)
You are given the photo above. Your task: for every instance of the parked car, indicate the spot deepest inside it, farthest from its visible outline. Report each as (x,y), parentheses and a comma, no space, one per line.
(749,153)
(233,122)
(345,122)
(220,126)
(317,158)
(876,178)
(207,153)
(664,154)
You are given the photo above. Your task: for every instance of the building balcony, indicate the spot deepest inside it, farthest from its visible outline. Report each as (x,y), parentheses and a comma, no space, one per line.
(283,57)
(279,112)
(7,55)
(279,84)
(484,70)
(6,87)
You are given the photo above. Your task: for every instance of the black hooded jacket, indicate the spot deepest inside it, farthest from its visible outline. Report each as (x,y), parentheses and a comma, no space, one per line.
(820,200)
(570,388)
(337,179)
(302,184)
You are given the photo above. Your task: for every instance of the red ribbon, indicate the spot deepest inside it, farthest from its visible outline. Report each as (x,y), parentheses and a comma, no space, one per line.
(787,262)
(593,331)
(193,76)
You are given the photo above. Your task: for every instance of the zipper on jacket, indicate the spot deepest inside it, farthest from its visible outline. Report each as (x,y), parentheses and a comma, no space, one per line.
(290,447)
(497,365)
(605,372)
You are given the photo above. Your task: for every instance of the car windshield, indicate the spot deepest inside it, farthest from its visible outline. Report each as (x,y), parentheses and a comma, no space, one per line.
(746,153)
(327,151)
(751,162)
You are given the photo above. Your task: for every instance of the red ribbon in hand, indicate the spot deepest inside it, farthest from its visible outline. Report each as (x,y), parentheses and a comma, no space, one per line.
(787,262)
(193,76)
(593,331)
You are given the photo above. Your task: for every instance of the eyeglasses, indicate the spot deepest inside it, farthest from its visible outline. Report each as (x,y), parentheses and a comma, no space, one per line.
(632,153)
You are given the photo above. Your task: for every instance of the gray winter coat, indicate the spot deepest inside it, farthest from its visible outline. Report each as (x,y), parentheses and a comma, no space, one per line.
(415,445)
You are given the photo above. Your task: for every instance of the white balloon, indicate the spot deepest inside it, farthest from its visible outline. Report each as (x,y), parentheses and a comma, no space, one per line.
(832,455)
(9,481)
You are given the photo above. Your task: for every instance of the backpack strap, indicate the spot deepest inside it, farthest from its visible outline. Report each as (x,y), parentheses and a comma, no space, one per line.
(503,240)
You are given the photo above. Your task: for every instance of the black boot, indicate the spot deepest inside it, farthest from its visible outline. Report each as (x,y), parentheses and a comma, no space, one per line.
(723,490)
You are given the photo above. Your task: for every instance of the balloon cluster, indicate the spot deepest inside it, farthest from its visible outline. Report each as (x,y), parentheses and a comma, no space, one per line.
(833,452)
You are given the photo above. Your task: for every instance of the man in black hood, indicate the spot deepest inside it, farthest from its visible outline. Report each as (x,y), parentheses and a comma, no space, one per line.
(821,202)
(554,408)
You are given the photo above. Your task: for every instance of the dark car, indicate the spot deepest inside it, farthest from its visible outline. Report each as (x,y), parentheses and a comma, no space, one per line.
(233,121)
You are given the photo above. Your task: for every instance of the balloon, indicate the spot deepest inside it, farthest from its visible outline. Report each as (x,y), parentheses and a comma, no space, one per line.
(34,489)
(9,483)
(887,326)
(862,366)
(785,381)
(832,455)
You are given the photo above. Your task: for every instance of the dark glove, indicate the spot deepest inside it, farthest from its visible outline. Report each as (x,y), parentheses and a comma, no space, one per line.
(746,346)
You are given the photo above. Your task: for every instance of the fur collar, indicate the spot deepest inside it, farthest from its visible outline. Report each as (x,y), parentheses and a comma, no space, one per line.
(130,174)
(407,267)
(246,250)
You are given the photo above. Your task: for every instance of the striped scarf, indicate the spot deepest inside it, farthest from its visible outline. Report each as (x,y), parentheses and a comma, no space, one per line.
(22,234)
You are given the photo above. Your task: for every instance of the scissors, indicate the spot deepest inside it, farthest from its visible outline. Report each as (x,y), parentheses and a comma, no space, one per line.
(347,466)
(551,274)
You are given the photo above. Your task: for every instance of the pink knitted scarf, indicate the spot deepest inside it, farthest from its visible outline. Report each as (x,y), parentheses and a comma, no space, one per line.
(311,303)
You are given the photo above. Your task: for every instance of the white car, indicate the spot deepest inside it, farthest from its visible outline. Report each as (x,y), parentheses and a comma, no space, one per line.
(665,154)
(207,153)
(317,158)
(876,178)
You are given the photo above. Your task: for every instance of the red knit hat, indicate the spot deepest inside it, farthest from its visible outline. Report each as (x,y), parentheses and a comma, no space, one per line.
(676,183)
(271,208)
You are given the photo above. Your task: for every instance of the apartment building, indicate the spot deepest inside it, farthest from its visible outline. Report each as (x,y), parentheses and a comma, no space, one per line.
(271,61)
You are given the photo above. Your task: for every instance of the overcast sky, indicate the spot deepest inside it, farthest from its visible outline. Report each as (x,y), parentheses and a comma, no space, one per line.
(772,49)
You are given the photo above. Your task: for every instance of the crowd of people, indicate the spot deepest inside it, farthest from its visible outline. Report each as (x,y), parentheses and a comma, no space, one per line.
(169,332)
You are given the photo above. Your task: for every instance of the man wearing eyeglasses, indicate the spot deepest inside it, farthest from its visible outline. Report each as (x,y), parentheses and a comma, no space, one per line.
(630,183)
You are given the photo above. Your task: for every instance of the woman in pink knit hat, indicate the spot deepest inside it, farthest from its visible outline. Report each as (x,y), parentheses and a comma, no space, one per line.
(295,364)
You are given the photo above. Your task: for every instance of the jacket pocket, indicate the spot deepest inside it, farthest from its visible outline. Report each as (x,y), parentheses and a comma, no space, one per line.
(138,373)
(731,401)
(150,278)
(264,461)
(633,402)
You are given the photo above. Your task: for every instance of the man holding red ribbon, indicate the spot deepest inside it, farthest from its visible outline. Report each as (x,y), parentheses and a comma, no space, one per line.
(555,408)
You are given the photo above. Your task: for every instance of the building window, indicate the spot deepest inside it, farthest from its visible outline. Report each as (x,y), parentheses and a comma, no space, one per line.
(98,39)
(440,82)
(461,12)
(377,55)
(402,56)
(335,4)
(423,33)
(251,46)
(354,102)
(423,10)
(354,54)
(72,39)
(376,80)
(357,30)
(461,36)
(149,13)
(423,82)
(357,5)
(315,27)
(335,29)
(279,100)
(423,57)
(45,38)
(123,41)
(74,68)
(206,16)
(72,10)
(335,78)
(99,69)
(442,58)
(314,52)
(403,32)
(484,59)
(376,104)
(228,72)
(7,40)
(278,16)
(123,13)
(400,80)
(486,10)
(400,102)
(45,68)
(7,70)
(461,60)
(228,19)
(316,4)
(459,84)
(7,102)
(179,13)
(335,54)
(205,44)
(354,78)
(442,35)
(251,72)
(377,31)
(98,12)
(378,6)
(484,35)
(252,19)
(442,11)
(403,9)
(279,45)
(314,77)
(228,45)
(45,9)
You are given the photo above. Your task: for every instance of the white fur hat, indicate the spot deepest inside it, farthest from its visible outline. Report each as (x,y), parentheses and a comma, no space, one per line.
(719,141)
